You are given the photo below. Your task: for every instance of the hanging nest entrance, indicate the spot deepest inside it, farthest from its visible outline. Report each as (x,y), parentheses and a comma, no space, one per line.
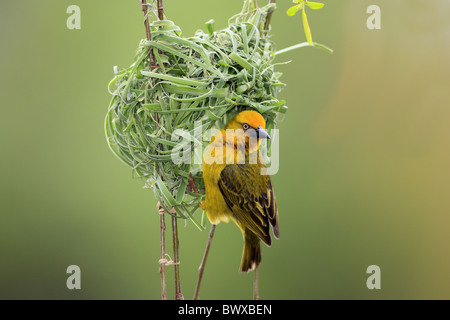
(206,79)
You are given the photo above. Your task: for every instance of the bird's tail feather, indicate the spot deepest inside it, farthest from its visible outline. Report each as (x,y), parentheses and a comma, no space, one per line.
(251,255)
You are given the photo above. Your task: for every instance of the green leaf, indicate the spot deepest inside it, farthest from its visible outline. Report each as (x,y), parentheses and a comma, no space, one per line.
(323,47)
(304,44)
(307,28)
(181,191)
(241,61)
(210,26)
(178,80)
(203,221)
(293,10)
(166,193)
(314,5)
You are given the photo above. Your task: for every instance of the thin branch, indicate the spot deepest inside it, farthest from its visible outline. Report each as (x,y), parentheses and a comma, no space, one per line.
(160,208)
(255,284)
(148,32)
(160,10)
(201,269)
(268,18)
(162,267)
(176,257)
(192,187)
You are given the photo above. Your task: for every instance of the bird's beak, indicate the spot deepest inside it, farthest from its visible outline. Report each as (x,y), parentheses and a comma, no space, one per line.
(261,133)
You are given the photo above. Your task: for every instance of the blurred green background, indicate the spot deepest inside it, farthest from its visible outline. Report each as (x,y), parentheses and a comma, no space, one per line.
(364,165)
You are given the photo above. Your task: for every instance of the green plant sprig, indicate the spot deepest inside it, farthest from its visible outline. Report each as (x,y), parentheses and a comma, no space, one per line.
(301,5)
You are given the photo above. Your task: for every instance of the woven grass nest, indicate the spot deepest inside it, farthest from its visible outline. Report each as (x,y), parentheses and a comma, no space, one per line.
(209,78)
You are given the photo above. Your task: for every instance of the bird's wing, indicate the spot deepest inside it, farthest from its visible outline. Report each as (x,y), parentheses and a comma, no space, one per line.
(250,197)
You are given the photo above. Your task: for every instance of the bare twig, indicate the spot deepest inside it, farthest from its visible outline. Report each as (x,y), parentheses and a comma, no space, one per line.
(201,269)
(163,261)
(269,16)
(255,285)
(176,257)
(148,32)
(160,10)
(192,187)
(162,264)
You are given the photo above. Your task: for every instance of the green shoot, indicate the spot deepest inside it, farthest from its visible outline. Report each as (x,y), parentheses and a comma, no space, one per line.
(301,5)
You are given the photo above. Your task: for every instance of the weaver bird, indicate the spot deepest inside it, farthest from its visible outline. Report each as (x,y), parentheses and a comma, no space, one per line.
(236,189)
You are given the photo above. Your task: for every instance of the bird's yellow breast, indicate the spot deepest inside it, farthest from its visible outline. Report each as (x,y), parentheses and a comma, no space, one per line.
(214,203)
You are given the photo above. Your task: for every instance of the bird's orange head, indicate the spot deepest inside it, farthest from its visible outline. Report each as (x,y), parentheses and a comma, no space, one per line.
(248,120)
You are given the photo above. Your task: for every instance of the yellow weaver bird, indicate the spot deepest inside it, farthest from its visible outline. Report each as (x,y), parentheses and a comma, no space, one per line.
(236,189)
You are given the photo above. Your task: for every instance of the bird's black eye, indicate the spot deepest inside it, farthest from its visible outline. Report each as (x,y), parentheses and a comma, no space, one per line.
(245,126)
